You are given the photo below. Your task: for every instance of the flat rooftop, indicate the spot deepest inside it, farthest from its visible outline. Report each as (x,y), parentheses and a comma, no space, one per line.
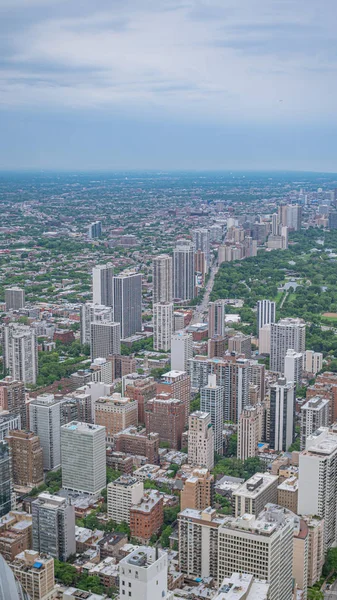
(272,518)
(242,586)
(255,485)
(81,427)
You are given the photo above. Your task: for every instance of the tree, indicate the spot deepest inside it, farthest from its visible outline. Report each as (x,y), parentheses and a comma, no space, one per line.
(330,565)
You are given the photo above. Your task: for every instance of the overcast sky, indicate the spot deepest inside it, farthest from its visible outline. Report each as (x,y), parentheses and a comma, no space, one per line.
(223,84)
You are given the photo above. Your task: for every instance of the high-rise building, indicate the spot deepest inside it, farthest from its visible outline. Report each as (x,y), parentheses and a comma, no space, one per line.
(217,346)
(275,225)
(252,496)
(14,298)
(143,575)
(249,431)
(102,285)
(115,413)
(140,388)
(216,318)
(138,442)
(162,325)
(166,416)
(178,385)
(314,414)
(83,451)
(266,313)
(316,555)
(95,230)
(183,271)
(264,339)
(211,401)
(234,377)
(12,398)
(282,415)
(287,494)
(198,542)
(317,482)
(201,241)
(36,574)
(92,313)
(8,423)
(45,421)
(312,361)
(294,217)
(20,352)
(200,440)
(181,350)
(123,493)
(257,376)
(105,339)
(127,303)
(53,526)
(198,491)
(162,278)
(27,459)
(6,483)
(240,344)
(293,365)
(147,516)
(287,333)
(262,546)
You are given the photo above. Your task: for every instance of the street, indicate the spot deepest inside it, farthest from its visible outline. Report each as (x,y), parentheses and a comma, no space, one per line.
(201,308)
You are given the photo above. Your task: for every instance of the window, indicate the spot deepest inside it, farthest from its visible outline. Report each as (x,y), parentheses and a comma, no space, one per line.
(123,592)
(129,584)
(123,582)
(130,594)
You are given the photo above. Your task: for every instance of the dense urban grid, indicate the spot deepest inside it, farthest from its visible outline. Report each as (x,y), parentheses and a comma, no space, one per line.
(168,389)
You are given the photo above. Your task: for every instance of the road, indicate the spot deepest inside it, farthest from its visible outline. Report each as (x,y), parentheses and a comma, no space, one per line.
(201,308)
(331,594)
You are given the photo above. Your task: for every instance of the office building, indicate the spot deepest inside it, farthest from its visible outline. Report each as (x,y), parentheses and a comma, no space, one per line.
(123,493)
(27,459)
(286,334)
(166,416)
(13,399)
(314,414)
(252,496)
(198,542)
(93,313)
(127,303)
(293,366)
(105,339)
(240,344)
(53,526)
(102,285)
(216,318)
(162,279)
(312,362)
(181,350)
(10,587)
(95,230)
(162,325)
(266,313)
(143,575)
(200,440)
(249,431)
(198,491)
(287,494)
(282,415)
(6,483)
(317,482)
(178,385)
(147,516)
(201,241)
(261,546)
(115,413)
(14,298)
(141,389)
(45,421)
(242,586)
(211,401)
(137,442)
(183,271)
(35,572)
(83,451)
(20,352)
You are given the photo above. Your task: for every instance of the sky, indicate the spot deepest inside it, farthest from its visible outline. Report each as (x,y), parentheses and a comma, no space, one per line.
(168,84)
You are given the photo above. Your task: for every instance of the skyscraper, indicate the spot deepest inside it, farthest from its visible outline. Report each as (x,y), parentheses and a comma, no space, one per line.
(211,401)
(181,350)
(201,241)
(282,415)
(95,230)
(293,366)
(287,333)
(20,352)
(162,325)
(314,415)
(200,440)
(102,284)
(162,278)
(294,217)
(127,303)
(266,313)
(45,421)
(216,318)
(13,399)
(92,313)
(105,339)
(83,451)
(6,484)
(183,271)
(249,431)
(14,298)
(53,526)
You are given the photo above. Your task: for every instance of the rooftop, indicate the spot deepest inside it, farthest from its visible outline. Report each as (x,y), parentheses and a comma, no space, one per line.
(255,485)
(143,557)
(272,518)
(80,427)
(124,480)
(148,502)
(289,485)
(242,586)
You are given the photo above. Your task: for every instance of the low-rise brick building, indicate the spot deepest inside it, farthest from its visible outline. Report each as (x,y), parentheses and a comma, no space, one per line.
(147,517)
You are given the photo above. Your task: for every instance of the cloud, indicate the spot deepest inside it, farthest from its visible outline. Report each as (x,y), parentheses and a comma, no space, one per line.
(209,59)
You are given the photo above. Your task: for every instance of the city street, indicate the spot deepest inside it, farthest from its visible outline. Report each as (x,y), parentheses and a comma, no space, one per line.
(201,308)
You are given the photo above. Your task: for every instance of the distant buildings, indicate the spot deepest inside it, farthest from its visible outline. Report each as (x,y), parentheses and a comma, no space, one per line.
(314,414)
(293,366)
(14,298)
(266,313)
(105,339)
(162,279)
(91,313)
(282,415)
(166,416)
(162,325)
(127,303)
(13,399)
(181,350)
(201,241)
(216,318)
(211,401)
(183,271)
(95,230)
(178,385)
(240,344)
(83,452)
(6,483)
(45,421)
(102,285)
(115,413)
(53,526)
(20,352)
(200,440)
(249,431)
(198,491)
(312,361)
(286,334)
(137,442)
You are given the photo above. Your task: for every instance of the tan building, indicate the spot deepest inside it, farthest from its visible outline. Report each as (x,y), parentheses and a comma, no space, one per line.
(249,431)
(240,344)
(123,493)
(36,574)
(200,440)
(316,555)
(115,413)
(137,442)
(166,416)
(287,494)
(13,399)
(252,496)
(147,517)
(141,389)
(301,555)
(178,385)
(15,534)
(198,490)
(27,459)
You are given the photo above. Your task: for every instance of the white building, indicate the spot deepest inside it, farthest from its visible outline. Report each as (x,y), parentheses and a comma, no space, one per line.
(282,414)
(312,362)
(293,366)
(143,575)
(45,421)
(102,284)
(200,440)
(91,313)
(14,298)
(20,352)
(249,431)
(252,496)
(264,339)
(105,339)
(127,303)
(287,333)
(181,350)
(241,586)
(83,452)
(266,313)
(122,494)
(183,271)
(211,401)
(216,318)
(162,325)
(314,414)
(162,278)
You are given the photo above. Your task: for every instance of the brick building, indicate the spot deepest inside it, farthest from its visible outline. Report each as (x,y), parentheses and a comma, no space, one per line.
(115,413)
(198,491)
(136,441)
(27,458)
(66,336)
(15,534)
(147,517)
(122,365)
(166,416)
(119,461)
(141,389)
(12,398)
(178,385)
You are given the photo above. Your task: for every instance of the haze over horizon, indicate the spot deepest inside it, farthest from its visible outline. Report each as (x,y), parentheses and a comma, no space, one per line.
(168,85)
